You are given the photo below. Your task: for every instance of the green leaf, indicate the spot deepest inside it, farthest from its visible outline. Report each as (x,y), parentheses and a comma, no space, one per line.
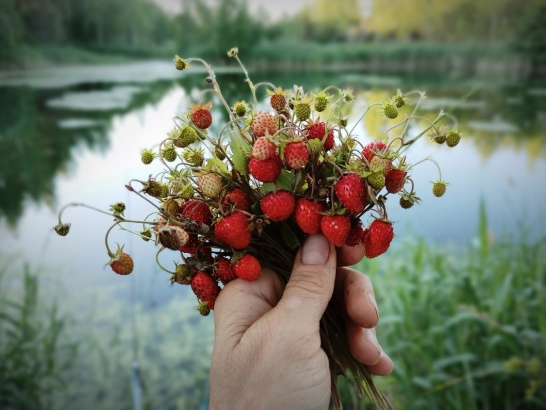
(239,148)
(284,181)
(215,164)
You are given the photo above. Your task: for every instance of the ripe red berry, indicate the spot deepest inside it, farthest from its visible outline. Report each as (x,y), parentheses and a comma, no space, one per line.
(122,263)
(378,238)
(316,131)
(196,210)
(233,230)
(237,198)
(247,268)
(267,170)
(296,155)
(307,215)
(329,143)
(355,234)
(351,192)
(279,205)
(224,271)
(395,180)
(336,228)
(201,116)
(371,149)
(205,288)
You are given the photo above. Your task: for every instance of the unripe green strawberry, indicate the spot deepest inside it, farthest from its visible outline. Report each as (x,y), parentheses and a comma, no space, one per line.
(390,110)
(163,191)
(407,200)
(171,206)
(187,136)
(194,156)
(439,188)
(187,191)
(240,108)
(146,234)
(180,63)
(155,189)
(440,139)
(453,138)
(210,184)
(62,229)
(302,110)
(376,180)
(182,274)
(343,122)
(203,308)
(147,156)
(320,101)
(400,99)
(169,153)
(219,153)
(118,208)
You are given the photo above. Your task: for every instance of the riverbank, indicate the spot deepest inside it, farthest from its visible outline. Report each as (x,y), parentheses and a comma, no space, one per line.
(375,57)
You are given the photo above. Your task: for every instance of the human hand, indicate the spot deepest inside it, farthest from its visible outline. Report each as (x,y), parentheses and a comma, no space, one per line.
(267,349)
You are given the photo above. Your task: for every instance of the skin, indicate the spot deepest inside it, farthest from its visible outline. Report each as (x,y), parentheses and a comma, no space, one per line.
(267,352)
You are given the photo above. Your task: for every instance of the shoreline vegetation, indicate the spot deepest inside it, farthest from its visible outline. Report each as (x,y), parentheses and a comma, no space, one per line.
(462,36)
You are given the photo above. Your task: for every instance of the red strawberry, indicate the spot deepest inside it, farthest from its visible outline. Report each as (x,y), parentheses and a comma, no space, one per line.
(329,143)
(336,228)
(351,192)
(355,234)
(371,149)
(247,268)
(224,271)
(196,210)
(238,198)
(122,263)
(263,149)
(378,238)
(395,180)
(279,205)
(233,230)
(267,170)
(296,155)
(307,215)
(205,288)
(264,122)
(278,99)
(201,115)
(316,131)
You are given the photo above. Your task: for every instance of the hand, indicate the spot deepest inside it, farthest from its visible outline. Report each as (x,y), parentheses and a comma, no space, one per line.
(267,351)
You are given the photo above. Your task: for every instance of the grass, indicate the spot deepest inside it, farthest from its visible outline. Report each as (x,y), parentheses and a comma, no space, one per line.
(465,328)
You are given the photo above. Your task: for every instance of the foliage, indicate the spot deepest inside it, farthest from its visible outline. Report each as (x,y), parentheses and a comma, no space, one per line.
(34,346)
(466,329)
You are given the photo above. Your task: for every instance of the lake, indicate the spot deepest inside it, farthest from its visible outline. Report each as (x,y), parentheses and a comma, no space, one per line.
(74,134)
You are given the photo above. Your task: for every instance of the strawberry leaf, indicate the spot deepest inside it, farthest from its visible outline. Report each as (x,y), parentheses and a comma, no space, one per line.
(284,181)
(239,147)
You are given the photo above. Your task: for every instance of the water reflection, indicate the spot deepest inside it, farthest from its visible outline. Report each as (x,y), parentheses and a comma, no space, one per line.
(43,127)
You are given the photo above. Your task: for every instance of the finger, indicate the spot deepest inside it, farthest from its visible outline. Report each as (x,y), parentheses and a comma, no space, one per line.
(383,367)
(350,255)
(355,291)
(241,303)
(363,344)
(311,283)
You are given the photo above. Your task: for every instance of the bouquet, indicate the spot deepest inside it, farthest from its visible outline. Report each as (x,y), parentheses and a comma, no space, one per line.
(227,205)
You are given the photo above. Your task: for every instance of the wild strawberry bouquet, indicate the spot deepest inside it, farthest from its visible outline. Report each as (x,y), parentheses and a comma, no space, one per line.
(229,203)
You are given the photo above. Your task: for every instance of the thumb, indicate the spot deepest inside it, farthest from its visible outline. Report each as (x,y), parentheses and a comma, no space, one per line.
(311,283)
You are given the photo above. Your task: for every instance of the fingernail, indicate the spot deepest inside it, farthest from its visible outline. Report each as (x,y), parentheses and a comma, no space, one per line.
(374,303)
(315,250)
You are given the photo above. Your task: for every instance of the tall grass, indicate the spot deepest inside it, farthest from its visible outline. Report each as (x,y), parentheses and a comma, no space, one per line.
(466,328)
(33,346)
